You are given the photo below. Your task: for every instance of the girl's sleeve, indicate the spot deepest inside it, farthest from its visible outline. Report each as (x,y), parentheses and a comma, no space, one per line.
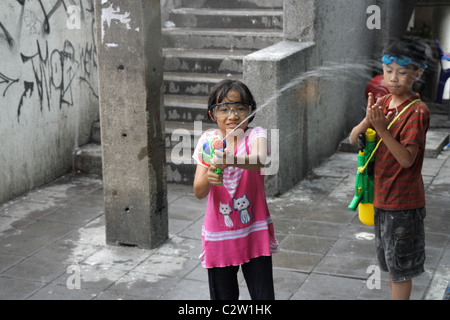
(197,151)
(256,133)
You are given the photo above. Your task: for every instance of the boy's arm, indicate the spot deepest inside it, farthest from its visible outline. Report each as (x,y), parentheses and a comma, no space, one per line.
(360,128)
(364,124)
(404,155)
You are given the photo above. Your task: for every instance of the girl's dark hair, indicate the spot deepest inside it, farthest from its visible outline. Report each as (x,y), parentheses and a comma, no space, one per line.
(220,91)
(408,47)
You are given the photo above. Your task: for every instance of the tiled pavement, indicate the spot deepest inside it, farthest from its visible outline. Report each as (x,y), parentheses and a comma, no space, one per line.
(53,234)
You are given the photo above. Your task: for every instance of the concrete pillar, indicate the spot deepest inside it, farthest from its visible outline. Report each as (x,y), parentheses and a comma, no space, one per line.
(266,72)
(299,18)
(132,126)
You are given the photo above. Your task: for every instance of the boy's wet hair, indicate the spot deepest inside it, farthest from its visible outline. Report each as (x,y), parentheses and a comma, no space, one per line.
(408,47)
(220,91)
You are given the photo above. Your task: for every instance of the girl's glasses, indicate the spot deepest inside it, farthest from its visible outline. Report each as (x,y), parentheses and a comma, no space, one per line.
(223,110)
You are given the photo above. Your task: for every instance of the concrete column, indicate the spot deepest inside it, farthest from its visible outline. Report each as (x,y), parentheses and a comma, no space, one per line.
(266,72)
(132,126)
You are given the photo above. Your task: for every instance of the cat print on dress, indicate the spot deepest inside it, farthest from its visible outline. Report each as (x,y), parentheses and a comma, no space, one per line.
(242,204)
(226,210)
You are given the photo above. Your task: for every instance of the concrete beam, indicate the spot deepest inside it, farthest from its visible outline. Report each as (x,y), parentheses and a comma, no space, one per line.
(132,121)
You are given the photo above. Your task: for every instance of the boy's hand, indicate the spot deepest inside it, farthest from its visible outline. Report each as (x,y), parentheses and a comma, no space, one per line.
(379,121)
(370,103)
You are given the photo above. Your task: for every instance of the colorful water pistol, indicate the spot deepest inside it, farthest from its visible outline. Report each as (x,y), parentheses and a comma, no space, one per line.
(210,146)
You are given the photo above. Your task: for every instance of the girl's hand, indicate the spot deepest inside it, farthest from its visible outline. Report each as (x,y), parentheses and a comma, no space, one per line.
(220,159)
(214,179)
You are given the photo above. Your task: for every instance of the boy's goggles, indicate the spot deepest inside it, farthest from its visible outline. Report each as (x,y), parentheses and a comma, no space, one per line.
(223,110)
(401,61)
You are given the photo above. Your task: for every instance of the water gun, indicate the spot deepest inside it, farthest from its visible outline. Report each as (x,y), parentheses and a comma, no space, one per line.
(364,177)
(208,149)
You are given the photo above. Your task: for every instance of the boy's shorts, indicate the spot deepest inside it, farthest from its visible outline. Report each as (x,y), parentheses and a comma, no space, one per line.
(400,242)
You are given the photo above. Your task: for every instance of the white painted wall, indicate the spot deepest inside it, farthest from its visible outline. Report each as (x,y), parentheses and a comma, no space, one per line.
(48,89)
(444,40)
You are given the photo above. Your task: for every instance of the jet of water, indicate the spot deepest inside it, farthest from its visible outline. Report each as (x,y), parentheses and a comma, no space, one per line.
(329,71)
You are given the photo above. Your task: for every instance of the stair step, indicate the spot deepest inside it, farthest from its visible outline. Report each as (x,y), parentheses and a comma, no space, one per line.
(232,3)
(95,132)
(192,84)
(179,168)
(185,108)
(230,39)
(88,159)
(87,156)
(227,18)
(204,61)
(207,54)
(185,135)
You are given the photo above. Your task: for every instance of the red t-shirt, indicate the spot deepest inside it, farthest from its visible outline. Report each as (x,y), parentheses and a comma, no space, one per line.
(397,188)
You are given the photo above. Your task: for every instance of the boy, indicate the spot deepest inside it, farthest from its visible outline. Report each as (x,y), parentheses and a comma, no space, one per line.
(399,194)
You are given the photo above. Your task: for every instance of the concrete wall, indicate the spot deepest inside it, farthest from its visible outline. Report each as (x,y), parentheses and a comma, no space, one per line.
(48,89)
(313,117)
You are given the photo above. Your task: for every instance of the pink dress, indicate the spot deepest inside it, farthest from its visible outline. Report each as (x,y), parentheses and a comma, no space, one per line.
(237,225)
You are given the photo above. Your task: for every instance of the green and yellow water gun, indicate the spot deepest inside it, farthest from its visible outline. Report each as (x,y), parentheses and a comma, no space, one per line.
(208,150)
(363,198)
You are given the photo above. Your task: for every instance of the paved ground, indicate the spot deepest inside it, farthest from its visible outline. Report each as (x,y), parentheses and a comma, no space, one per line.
(52,239)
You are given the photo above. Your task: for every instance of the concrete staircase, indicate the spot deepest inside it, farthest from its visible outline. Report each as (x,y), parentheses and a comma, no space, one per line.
(204,41)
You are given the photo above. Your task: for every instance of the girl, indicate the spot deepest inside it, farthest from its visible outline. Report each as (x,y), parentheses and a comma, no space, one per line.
(237,230)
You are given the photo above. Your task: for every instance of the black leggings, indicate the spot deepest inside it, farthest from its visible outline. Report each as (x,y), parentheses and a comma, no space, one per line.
(223,282)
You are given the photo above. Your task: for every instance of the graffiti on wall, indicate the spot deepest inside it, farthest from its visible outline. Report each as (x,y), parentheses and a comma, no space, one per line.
(47,73)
